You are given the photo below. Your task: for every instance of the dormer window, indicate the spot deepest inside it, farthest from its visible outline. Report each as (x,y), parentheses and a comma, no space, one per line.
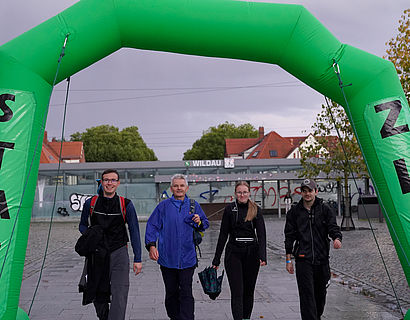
(273,153)
(255,154)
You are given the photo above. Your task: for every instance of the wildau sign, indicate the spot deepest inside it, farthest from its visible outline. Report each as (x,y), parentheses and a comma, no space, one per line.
(205,163)
(226,163)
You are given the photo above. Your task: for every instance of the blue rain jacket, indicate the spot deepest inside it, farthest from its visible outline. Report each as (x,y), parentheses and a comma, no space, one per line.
(171,225)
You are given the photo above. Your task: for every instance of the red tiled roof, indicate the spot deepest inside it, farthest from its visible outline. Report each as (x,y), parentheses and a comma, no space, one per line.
(48,155)
(263,145)
(331,144)
(71,150)
(236,146)
(296,141)
(272,141)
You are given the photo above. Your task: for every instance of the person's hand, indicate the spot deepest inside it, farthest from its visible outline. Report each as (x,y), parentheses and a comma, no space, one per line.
(153,253)
(137,267)
(263,263)
(289,268)
(196,218)
(337,244)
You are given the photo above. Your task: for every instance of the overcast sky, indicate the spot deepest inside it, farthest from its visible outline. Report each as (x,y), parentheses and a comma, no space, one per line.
(162,91)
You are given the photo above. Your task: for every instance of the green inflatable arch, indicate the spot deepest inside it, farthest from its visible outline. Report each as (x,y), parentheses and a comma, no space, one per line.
(286,35)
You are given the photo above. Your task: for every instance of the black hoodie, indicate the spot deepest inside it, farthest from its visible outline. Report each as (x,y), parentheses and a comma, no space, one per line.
(308,234)
(233,225)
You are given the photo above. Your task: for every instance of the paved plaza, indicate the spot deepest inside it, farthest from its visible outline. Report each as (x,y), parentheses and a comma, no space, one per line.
(360,288)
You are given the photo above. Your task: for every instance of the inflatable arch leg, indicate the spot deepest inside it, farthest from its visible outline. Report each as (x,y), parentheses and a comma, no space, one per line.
(286,35)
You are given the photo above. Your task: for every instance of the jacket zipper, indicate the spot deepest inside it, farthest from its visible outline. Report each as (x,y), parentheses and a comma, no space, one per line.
(311,237)
(179,238)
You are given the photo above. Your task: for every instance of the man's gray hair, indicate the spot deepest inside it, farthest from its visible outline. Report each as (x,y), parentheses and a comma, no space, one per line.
(179,176)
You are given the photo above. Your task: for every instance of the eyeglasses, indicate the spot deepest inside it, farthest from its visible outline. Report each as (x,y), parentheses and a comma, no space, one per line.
(110,180)
(244,193)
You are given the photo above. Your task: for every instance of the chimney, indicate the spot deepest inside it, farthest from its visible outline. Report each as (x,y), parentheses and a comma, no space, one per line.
(261,132)
(45,140)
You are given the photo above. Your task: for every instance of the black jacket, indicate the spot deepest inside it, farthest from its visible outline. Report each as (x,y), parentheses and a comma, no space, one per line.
(233,225)
(95,280)
(107,213)
(307,234)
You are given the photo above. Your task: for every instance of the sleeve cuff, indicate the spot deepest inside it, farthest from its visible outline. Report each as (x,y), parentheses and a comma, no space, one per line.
(149,245)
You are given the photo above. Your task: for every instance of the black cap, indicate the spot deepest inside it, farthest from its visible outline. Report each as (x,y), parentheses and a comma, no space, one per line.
(311,184)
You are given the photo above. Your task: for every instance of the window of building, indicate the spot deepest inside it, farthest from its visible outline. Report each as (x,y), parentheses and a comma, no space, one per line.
(273,153)
(255,154)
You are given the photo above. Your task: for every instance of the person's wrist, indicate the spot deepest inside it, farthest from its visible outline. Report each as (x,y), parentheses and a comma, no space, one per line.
(288,261)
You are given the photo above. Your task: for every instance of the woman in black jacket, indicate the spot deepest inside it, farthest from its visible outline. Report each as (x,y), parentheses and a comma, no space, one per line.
(245,252)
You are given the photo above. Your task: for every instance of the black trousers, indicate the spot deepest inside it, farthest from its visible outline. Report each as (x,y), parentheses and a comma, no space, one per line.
(242,268)
(312,284)
(179,301)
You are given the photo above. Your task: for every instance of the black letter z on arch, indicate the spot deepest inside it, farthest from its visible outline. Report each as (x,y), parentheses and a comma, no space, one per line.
(388,128)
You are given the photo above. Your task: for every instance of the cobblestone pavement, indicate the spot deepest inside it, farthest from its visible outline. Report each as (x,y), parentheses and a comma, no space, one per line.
(357,269)
(358,264)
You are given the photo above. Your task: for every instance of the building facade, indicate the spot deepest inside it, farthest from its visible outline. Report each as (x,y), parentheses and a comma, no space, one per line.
(147,183)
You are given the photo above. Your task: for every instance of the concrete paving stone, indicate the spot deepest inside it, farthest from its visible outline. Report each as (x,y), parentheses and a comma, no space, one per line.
(69,317)
(295,308)
(287,316)
(149,318)
(276,294)
(69,311)
(289,298)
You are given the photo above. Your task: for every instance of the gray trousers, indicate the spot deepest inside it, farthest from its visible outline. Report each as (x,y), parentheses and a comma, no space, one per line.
(120,283)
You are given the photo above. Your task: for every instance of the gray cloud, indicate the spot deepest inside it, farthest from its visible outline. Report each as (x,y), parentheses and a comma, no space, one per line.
(211,90)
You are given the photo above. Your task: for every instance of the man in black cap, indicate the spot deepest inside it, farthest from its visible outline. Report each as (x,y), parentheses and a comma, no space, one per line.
(309,227)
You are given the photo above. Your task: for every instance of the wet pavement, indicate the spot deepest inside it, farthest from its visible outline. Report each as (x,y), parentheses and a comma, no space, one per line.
(360,288)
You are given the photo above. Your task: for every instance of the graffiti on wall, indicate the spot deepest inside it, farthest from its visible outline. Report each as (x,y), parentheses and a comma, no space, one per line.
(77,201)
(271,195)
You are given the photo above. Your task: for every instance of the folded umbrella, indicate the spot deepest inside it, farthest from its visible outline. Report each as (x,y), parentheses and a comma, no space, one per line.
(211,283)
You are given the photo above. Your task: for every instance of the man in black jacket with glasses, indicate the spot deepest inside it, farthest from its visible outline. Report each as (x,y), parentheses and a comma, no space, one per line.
(111,214)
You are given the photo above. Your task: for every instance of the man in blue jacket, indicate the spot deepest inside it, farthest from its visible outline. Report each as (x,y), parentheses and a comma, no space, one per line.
(172,225)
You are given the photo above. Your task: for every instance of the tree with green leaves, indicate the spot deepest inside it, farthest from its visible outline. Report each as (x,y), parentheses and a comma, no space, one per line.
(327,155)
(212,143)
(108,144)
(399,52)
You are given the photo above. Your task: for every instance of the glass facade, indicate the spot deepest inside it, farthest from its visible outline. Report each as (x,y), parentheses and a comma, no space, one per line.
(147,183)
